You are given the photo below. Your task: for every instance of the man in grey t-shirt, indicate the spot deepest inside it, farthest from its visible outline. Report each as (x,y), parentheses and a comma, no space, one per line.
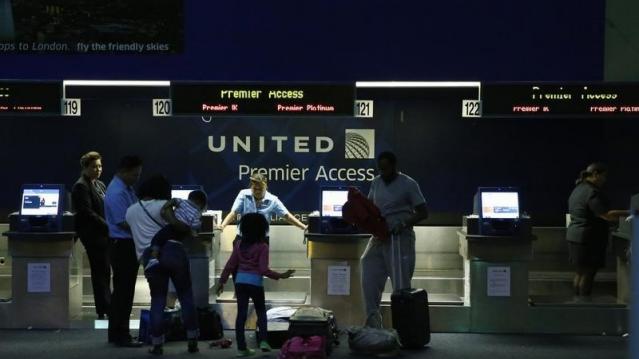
(402,205)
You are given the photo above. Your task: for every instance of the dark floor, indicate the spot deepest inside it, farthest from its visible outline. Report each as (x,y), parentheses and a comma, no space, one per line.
(90,344)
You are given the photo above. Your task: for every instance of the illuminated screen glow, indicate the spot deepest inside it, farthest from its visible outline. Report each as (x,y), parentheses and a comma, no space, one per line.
(333,201)
(500,205)
(181,193)
(40,202)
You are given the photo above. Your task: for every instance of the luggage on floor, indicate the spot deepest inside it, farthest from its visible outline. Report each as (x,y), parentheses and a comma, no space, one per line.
(172,323)
(280,314)
(409,307)
(277,334)
(309,321)
(210,324)
(373,341)
(312,347)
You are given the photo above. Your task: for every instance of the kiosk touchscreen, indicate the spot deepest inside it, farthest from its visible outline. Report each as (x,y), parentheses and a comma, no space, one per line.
(332,199)
(499,205)
(41,207)
(498,210)
(183,191)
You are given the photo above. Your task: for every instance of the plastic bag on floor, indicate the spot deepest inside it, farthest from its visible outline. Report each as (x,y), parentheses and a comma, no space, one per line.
(373,341)
(279,314)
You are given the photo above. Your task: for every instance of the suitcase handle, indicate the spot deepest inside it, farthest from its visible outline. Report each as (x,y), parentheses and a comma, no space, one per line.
(397,239)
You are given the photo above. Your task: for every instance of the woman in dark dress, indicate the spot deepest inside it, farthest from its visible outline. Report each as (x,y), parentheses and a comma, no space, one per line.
(588,231)
(88,203)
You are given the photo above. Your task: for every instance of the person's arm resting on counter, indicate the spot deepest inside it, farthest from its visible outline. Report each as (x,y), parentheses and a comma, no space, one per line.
(281,211)
(294,221)
(238,207)
(598,207)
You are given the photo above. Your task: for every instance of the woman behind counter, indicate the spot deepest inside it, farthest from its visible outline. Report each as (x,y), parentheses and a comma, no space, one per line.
(88,201)
(256,199)
(588,231)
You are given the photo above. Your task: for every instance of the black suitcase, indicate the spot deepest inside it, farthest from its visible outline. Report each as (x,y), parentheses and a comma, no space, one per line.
(409,309)
(276,334)
(309,321)
(210,324)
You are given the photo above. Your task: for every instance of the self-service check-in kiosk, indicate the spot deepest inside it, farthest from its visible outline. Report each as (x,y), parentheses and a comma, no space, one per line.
(496,244)
(334,248)
(46,271)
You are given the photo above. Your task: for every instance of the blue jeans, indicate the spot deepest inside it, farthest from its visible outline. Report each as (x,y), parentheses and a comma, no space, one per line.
(244,292)
(174,265)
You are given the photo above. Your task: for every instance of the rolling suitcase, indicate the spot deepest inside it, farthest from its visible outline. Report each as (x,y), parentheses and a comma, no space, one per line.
(309,321)
(409,308)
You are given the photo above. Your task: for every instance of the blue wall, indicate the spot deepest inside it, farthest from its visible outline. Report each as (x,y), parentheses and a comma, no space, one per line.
(449,156)
(359,40)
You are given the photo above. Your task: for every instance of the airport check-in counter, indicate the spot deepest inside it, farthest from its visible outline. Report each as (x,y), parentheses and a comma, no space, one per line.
(621,239)
(336,274)
(496,281)
(439,270)
(200,251)
(46,285)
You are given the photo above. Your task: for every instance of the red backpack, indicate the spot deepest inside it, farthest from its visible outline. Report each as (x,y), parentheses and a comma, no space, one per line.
(304,348)
(364,214)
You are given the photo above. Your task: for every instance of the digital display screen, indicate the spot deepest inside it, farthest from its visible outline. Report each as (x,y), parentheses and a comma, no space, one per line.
(500,205)
(30,97)
(333,201)
(502,100)
(249,99)
(40,202)
(181,193)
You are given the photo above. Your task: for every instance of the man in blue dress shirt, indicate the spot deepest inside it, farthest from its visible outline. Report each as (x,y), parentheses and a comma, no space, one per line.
(124,262)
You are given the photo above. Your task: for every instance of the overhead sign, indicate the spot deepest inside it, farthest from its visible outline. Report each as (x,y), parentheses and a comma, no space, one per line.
(575,100)
(260,99)
(80,26)
(24,97)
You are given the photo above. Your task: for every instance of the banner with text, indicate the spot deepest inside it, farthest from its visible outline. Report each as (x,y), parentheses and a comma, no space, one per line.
(86,26)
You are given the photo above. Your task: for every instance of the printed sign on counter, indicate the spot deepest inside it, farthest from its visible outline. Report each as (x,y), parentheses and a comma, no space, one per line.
(38,277)
(339,280)
(498,281)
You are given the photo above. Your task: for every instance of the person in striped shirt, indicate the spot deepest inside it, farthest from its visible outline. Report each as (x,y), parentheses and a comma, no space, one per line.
(188,214)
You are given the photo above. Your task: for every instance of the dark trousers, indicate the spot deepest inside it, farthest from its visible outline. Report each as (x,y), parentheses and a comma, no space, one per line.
(124,263)
(174,264)
(244,292)
(98,253)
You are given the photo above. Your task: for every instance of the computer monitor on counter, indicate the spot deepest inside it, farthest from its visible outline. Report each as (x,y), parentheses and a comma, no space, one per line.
(41,207)
(332,200)
(498,211)
(183,191)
